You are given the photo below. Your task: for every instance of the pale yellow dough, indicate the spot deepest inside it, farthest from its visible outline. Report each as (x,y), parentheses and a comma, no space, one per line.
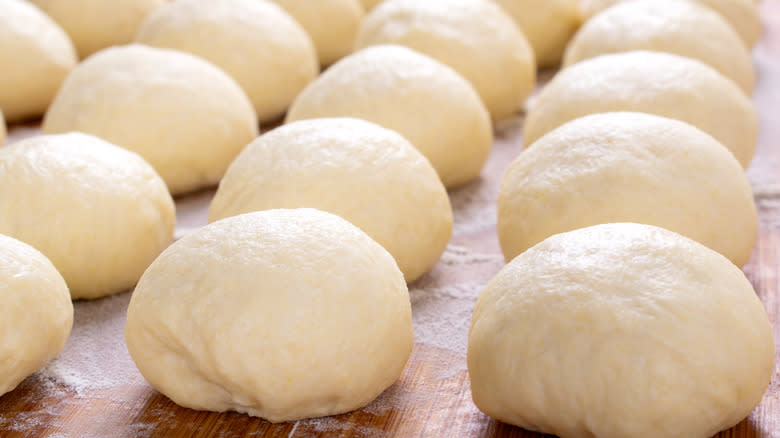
(36,55)
(741,14)
(683,28)
(185,116)
(369,175)
(2,128)
(98,212)
(652,82)
(255,41)
(36,313)
(281,314)
(96,24)
(547,24)
(369,4)
(431,105)
(475,37)
(620,330)
(332,24)
(628,167)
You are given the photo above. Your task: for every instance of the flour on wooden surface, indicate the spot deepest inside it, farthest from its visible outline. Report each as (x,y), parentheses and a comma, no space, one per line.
(96,355)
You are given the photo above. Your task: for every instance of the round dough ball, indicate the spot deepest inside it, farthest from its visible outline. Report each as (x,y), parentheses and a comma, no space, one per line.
(683,28)
(366,174)
(628,167)
(36,314)
(548,25)
(741,14)
(651,82)
(430,104)
(281,314)
(255,41)
(620,330)
(36,56)
(96,24)
(475,37)
(99,212)
(185,116)
(332,24)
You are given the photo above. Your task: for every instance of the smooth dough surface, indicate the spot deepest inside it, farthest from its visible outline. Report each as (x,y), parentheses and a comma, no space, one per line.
(3,131)
(548,25)
(741,14)
(36,56)
(96,24)
(369,4)
(683,28)
(651,82)
(620,330)
(36,314)
(100,213)
(430,104)
(628,167)
(369,175)
(185,116)
(255,41)
(332,24)
(475,37)
(281,314)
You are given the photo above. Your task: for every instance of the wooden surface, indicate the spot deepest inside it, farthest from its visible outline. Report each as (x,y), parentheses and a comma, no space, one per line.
(432,397)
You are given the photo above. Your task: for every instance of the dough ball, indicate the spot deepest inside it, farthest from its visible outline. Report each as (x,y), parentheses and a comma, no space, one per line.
(620,330)
(475,37)
(185,116)
(430,104)
(741,14)
(366,174)
(280,314)
(99,212)
(628,167)
(36,56)
(36,314)
(683,28)
(96,24)
(332,24)
(548,25)
(651,82)
(265,50)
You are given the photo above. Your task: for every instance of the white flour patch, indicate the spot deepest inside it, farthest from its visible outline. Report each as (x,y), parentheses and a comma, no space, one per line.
(96,355)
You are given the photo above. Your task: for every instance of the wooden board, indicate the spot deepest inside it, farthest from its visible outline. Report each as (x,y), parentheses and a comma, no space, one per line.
(432,397)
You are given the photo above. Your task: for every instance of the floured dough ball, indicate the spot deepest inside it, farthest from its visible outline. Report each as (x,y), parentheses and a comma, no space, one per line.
(548,25)
(280,314)
(332,24)
(475,37)
(96,24)
(366,174)
(265,50)
(430,104)
(36,314)
(628,167)
(683,28)
(741,14)
(185,116)
(36,56)
(620,330)
(99,212)
(651,82)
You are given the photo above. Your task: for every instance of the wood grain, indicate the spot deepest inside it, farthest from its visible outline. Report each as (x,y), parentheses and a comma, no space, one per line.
(427,400)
